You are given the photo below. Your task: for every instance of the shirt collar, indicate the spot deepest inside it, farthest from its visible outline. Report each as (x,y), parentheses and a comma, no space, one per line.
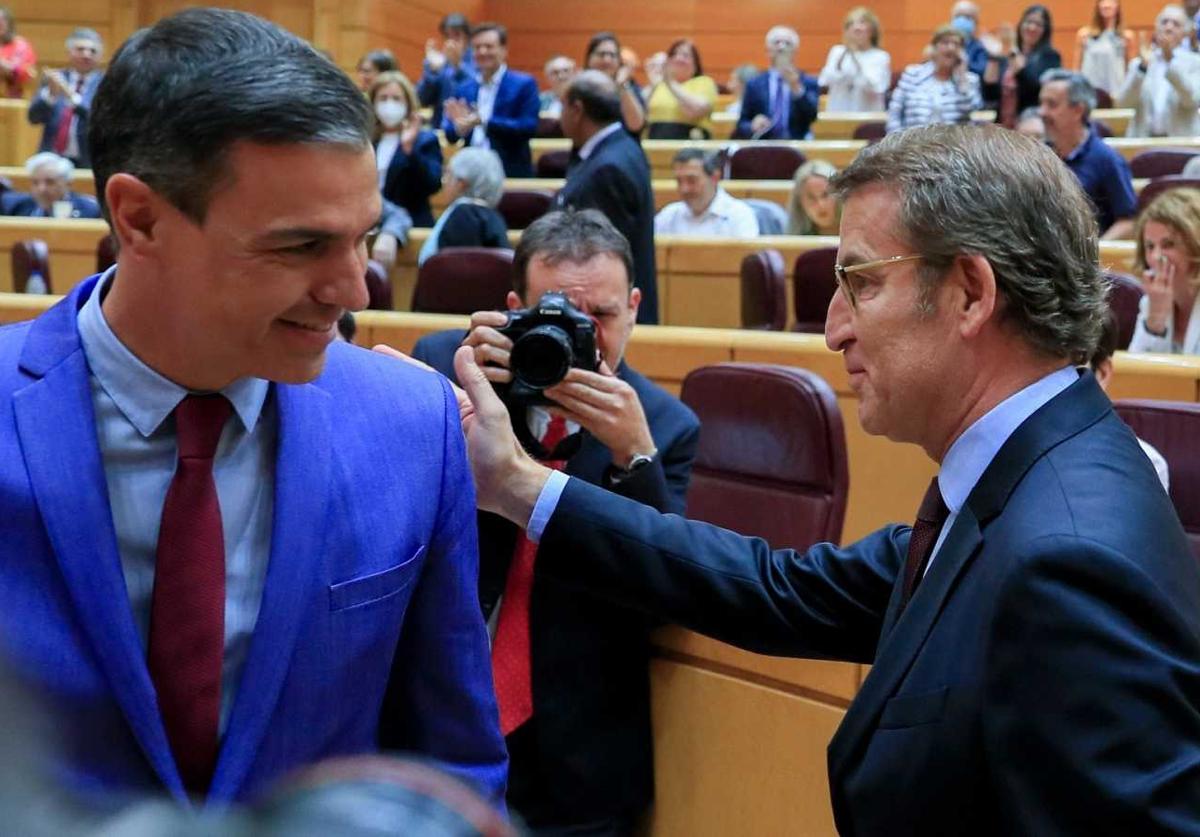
(600,136)
(144,396)
(718,208)
(1080,149)
(975,449)
(499,74)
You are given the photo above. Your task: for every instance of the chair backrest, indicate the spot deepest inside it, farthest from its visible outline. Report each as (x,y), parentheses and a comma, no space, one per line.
(29,257)
(676,131)
(1103,98)
(553,164)
(1161,184)
(1172,427)
(1124,295)
(772,461)
(813,286)
(1157,162)
(870,131)
(763,161)
(379,287)
(106,253)
(462,280)
(772,218)
(764,291)
(548,128)
(1102,128)
(521,207)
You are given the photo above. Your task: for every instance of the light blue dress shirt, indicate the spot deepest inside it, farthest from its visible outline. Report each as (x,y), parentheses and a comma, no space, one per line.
(133,405)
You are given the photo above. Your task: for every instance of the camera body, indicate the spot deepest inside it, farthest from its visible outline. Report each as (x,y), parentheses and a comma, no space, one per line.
(548,339)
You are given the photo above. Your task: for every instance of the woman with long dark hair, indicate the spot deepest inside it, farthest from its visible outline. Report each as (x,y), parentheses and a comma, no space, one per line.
(1015,80)
(604,54)
(1102,47)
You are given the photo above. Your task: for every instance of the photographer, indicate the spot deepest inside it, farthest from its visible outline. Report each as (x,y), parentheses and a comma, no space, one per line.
(574,699)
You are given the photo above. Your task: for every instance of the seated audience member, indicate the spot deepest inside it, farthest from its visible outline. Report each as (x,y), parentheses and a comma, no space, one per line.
(680,104)
(812,208)
(394,226)
(705,209)
(1162,84)
(499,108)
(50,194)
(780,103)
(372,64)
(448,67)
(17,58)
(408,157)
(857,72)
(578,721)
(558,71)
(1067,100)
(474,184)
(964,16)
(742,75)
(64,101)
(604,53)
(1102,47)
(1015,79)
(1168,255)
(1030,124)
(1102,366)
(940,90)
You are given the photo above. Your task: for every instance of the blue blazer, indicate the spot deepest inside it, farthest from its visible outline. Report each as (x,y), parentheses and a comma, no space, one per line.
(50,114)
(1045,677)
(756,99)
(513,124)
(19,203)
(369,634)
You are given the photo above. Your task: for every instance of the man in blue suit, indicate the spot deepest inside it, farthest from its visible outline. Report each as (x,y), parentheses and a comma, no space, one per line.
(781,103)
(50,194)
(63,103)
(499,108)
(1035,636)
(445,69)
(232,549)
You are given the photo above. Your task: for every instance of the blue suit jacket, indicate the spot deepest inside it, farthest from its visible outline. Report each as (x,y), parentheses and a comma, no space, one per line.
(1044,679)
(369,633)
(50,114)
(412,178)
(756,99)
(21,204)
(513,124)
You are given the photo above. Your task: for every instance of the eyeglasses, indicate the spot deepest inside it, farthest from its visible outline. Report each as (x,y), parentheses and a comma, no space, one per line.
(846,286)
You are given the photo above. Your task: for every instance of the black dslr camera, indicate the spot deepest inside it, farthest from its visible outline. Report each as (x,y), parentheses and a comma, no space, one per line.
(548,339)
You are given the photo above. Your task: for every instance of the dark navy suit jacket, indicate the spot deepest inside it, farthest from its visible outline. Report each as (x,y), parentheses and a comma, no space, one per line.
(756,99)
(587,753)
(513,124)
(50,114)
(412,178)
(369,633)
(1045,677)
(19,203)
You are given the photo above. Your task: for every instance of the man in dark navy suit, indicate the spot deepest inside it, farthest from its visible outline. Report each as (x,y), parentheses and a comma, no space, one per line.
(582,757)
(50,194)
(63,103)
(781,103)
(1035,636)
(499,108)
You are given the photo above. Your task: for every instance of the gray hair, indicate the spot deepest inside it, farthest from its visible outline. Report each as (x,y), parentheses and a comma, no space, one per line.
(575,236)
(1180,12)
(1079,89)
(85,34)
(710,161)
(783,32)
(63,167)
(798,221)
(481,170)
(988,191)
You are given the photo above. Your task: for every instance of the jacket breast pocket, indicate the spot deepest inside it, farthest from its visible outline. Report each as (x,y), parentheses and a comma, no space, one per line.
(905,711)
(375,587)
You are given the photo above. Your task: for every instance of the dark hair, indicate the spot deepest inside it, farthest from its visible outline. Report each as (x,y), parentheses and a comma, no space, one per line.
(569,235)
(1046,32)
(710,162)
(594,44)
(179,94)
(1098,22)
(454,22)
(499,28)
(381,59)
(1107,344)
(598,95)
(685,42)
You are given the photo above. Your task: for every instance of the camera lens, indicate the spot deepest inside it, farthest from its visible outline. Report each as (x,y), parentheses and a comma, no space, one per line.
(541,357)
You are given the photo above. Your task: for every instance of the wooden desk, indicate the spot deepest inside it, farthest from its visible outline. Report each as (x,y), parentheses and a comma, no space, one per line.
(833,126)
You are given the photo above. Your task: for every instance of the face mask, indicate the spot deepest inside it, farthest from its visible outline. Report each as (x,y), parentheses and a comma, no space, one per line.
(965,25)
(390,112)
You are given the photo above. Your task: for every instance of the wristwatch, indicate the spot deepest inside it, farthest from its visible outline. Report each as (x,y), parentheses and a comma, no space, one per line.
(617,474)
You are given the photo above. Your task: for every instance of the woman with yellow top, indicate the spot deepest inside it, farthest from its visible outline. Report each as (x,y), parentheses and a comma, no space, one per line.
(679,106)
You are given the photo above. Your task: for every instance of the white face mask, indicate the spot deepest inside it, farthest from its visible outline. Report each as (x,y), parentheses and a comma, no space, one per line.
(390,112)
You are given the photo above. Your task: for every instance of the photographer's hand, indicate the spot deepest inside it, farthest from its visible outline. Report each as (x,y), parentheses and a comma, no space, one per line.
(608,408)
(491,348)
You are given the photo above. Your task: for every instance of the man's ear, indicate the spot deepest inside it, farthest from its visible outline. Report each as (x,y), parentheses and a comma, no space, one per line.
(977,302)
(135,211)
(513,301)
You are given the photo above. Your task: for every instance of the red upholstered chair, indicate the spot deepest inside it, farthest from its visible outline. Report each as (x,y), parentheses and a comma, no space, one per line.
(379,287)
(553,164)
(521,207)
(1158,162)
(870,131)
(1103,98)
(760,161)
(1172,427)
(813,286)
(29,257)
(548,128)
(1123,298)
(462,280)
(764,291)
(1161,184)
(1102,128)
(772,461)
(106,253)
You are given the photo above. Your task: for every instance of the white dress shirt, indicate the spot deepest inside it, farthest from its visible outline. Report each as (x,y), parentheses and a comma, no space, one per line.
(384,152)
(856,89)
(725,216)
(485,103)
(604,133)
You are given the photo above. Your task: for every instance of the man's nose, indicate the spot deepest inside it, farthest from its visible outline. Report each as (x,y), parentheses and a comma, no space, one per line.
(838,329)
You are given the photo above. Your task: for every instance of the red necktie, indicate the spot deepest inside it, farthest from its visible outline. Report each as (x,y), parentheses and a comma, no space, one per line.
(187,614)
(63,137)
(511,669)
(930,519)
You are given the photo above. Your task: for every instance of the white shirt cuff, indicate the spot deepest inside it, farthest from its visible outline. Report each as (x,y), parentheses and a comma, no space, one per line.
(546,503)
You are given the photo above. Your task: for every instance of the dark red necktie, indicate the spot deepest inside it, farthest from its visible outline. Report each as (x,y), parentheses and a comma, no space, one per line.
(63,136)
(930,518)
(187,615)
(511,667)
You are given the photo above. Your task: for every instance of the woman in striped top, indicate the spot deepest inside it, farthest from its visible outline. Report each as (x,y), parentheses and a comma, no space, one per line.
(940,90)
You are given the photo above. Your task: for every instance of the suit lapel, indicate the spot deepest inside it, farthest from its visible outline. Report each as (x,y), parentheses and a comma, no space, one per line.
(56,426)
(303,467)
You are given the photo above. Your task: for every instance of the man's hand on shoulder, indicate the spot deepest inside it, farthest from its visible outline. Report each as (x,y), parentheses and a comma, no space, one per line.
(608,408)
